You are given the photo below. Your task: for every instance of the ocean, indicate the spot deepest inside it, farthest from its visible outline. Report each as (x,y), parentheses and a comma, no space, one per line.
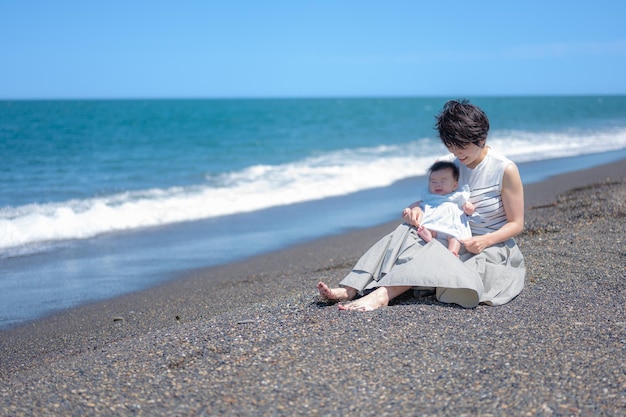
(103,197)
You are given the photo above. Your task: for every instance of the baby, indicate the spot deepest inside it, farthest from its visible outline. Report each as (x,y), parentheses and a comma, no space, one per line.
(446,211)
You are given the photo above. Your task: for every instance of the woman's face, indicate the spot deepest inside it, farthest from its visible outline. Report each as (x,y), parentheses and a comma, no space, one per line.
(470,155)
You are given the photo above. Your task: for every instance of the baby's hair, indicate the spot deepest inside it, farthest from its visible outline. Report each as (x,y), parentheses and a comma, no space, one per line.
(441,165)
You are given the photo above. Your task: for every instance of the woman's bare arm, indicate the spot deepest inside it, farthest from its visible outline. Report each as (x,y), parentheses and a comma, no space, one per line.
(513,201)
(413,214)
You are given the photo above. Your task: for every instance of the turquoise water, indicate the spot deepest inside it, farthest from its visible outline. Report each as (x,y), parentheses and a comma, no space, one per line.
(81,179)
(77,169)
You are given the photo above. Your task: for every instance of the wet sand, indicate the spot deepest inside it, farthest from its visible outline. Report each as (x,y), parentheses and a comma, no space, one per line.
(252,338)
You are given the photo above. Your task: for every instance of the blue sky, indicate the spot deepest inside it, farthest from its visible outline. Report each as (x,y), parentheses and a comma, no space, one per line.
(300,48)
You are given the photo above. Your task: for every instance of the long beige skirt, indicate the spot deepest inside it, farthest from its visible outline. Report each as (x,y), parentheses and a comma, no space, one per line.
(402,258)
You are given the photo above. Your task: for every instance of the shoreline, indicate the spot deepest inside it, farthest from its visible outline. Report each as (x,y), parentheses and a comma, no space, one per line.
(111,265)
(536,194)
(213,308)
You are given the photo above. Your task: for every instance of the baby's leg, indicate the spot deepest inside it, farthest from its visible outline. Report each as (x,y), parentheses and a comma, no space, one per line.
(426,234)
(454,246)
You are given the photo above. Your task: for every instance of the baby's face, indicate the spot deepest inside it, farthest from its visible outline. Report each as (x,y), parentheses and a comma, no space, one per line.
(442,182)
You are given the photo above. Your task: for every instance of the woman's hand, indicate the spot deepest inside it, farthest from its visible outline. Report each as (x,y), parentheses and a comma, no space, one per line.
(413,216)
(476,244)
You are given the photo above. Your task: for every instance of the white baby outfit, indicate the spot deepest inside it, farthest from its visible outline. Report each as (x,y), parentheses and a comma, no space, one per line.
(444,214)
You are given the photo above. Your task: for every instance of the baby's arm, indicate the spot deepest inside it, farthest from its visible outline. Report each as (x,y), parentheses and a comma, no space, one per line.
(468,208)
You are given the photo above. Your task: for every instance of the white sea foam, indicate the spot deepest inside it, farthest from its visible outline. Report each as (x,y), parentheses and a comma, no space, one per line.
(264,186)
(522,146)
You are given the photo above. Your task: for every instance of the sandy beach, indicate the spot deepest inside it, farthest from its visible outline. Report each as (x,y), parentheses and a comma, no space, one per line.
(254,339)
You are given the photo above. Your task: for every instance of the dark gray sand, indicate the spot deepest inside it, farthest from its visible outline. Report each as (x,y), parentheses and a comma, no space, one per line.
(253,339)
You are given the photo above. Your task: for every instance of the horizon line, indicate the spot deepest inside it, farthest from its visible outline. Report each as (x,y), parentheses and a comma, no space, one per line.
(308,97)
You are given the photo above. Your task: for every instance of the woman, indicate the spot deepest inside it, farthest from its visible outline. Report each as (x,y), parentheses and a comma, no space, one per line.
(490,268)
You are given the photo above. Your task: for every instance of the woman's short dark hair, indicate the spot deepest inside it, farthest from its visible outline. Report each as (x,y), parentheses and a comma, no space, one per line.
(441,165)
(460,124)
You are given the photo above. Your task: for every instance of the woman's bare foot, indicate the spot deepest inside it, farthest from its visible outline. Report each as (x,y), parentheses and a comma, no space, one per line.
(336,294)
(374,300)
(425,234)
